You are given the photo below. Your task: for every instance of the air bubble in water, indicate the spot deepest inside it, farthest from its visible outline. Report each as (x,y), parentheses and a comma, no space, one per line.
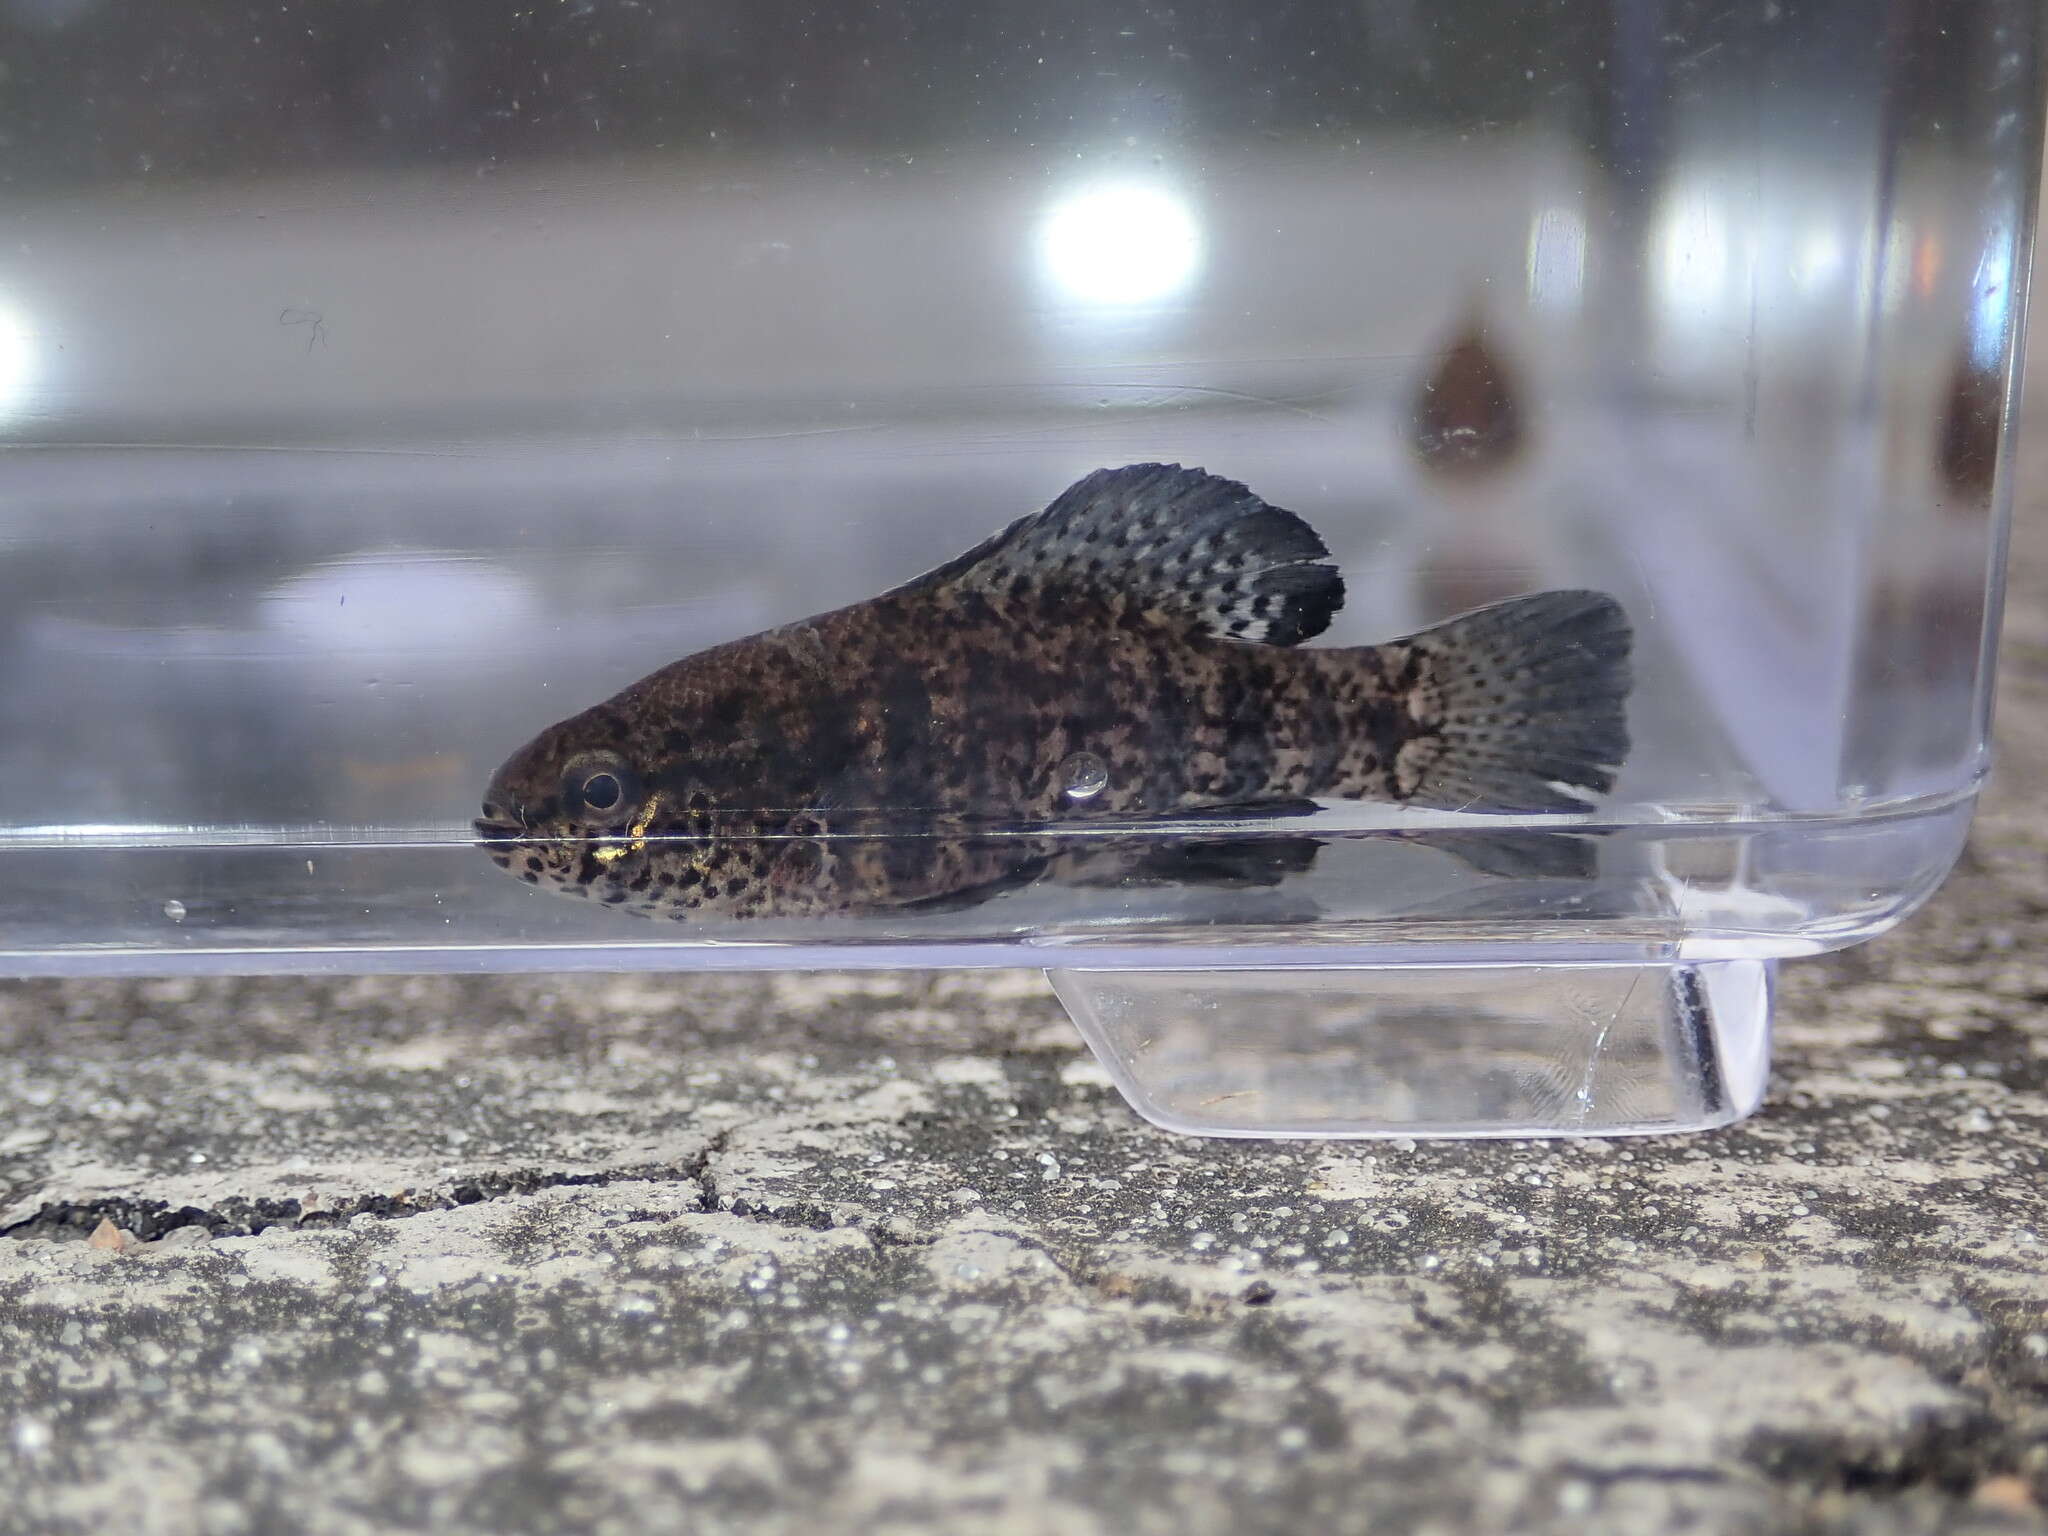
(1083,776)
(174,910)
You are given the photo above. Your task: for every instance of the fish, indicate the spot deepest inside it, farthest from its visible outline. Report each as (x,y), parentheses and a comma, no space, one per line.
(1970,430)
(1467,418)
(1131,654)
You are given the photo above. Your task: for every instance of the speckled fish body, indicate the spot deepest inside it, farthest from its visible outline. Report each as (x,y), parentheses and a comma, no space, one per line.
(923,748)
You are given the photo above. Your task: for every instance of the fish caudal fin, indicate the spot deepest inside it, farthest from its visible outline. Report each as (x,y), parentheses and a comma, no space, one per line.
(1516,707)
(1185,544)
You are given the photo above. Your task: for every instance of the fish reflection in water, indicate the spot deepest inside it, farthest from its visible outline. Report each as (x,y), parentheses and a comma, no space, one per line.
(1139,639)
(1972,419)
(1467,415)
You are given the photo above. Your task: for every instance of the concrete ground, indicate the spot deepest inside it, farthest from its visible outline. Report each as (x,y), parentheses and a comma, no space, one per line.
(886,1253)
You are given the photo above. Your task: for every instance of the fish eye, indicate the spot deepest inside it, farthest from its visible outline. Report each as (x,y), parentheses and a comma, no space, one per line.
(602,785)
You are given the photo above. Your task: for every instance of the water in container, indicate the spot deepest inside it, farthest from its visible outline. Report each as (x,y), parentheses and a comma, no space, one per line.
(1406,553)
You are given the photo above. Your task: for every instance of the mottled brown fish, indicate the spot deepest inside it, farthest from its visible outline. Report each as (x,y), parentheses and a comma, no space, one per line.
(1125,653)
(1466,418)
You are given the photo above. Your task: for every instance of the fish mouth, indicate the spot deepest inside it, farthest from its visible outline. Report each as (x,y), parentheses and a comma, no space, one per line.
(499,825)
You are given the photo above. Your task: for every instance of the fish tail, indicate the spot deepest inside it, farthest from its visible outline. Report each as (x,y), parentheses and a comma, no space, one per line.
(1516,707)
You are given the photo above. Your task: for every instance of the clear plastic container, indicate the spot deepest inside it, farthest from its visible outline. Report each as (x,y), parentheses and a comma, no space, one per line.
(369,402)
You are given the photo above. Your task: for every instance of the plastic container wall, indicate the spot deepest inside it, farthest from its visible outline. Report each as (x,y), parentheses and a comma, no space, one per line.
(379,388)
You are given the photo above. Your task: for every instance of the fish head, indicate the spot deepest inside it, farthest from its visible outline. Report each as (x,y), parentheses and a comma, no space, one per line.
(571,794)
(583,810)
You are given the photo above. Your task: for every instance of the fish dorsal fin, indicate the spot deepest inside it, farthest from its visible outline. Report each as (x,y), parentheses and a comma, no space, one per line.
(1190,545)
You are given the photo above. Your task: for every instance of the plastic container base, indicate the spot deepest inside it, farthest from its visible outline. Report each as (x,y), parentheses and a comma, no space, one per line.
(1432,1051)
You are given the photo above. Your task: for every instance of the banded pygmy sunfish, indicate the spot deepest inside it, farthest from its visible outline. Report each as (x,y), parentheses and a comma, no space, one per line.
(1129,652)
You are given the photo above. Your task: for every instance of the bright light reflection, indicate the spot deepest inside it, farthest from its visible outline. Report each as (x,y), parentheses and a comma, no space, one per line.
(1692,254)
(1819,260)
(1123,243)
(1557,259)
(1991,304)
(427,603)
(17,361)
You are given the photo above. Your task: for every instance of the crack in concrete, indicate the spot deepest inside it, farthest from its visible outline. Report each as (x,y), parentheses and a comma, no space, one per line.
(801,1215)
(700,1169)
(1644,1472)
(1950,1453)
(240,1216)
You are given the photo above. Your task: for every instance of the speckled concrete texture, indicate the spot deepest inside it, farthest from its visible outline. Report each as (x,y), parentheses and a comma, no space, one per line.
(887,1253)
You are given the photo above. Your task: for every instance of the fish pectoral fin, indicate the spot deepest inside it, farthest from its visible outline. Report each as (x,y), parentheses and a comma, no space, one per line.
(1522,855)
(1232,860)
(1246,810)
(1027,871)
(1183,543)
(1218,863)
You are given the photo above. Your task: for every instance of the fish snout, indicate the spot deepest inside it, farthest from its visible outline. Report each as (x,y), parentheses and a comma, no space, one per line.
(500,820)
